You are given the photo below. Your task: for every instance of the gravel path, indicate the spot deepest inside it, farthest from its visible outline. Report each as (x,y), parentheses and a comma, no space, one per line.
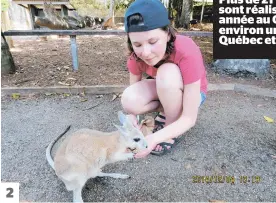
(231,138)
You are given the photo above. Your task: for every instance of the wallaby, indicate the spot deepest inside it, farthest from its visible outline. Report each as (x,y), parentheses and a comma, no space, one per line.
(82,154)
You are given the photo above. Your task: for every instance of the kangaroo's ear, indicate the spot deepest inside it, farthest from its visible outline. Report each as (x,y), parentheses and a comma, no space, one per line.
(128,125)
(122,117)
(121,129)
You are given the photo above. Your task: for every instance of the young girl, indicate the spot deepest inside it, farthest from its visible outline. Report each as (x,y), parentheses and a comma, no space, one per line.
(177,83)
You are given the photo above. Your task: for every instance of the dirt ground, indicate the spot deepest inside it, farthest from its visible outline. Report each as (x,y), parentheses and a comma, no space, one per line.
(102,61)
(231,139)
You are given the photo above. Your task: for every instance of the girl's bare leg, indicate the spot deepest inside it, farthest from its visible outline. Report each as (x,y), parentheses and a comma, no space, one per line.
(170,92)
(141,97)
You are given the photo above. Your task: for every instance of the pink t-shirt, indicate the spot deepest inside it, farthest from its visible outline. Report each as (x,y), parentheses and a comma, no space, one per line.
(186,55)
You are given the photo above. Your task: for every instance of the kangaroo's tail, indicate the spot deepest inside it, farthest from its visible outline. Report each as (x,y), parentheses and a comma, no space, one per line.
(50,146)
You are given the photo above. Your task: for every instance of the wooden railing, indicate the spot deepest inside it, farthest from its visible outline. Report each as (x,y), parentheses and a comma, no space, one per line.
(74,33)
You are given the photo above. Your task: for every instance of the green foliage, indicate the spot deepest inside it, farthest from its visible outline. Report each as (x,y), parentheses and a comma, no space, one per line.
(122,4)
(4,5)
(86,4)
(95,8)
(195,3)
(89,7)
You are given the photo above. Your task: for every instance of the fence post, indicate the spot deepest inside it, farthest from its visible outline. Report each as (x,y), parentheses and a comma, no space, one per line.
(74,51)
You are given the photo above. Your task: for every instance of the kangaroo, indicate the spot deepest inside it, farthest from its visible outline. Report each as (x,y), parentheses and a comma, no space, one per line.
(82,154)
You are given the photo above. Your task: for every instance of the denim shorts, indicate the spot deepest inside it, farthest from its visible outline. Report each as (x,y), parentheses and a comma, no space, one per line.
(203,98)
(202,94)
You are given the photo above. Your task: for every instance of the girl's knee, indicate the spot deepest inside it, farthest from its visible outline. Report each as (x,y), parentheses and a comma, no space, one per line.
(169,76)
(129,101)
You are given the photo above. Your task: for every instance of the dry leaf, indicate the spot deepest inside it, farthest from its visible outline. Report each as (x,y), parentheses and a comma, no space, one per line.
(269,120)
(32,95)
(84,100)
(71,79)
(188,166)
(15,95)
(49,93)
(114,97)
(63,83)
(83,92)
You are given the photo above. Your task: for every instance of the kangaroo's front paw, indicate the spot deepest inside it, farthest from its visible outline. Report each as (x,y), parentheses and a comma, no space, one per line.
(130,156)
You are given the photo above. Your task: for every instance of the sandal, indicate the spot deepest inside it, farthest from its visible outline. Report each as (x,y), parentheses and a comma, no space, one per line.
(158,124)
(165,148)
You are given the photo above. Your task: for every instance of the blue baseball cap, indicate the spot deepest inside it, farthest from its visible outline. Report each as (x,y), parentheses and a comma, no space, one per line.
(153,12)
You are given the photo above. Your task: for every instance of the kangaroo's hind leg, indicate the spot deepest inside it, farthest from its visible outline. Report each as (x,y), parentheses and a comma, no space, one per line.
(76,186)
(75,183)
(77,197)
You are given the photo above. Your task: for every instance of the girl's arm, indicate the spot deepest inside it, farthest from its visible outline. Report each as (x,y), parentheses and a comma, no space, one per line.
(134,78)
(191,102)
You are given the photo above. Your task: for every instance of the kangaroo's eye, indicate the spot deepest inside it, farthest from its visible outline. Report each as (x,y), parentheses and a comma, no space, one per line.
(136,139)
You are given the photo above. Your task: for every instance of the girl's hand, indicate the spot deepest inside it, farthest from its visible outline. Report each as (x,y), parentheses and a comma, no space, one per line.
(151,145)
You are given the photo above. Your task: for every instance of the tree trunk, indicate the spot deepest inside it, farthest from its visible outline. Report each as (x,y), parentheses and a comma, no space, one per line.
(7,63)
(170,9)
(184,21)
(177,6)
(202,10)
(6,25)
(54,21)
(111,10)
(56,25)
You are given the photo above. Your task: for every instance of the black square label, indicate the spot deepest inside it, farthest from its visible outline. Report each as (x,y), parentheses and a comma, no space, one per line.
(244,29)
